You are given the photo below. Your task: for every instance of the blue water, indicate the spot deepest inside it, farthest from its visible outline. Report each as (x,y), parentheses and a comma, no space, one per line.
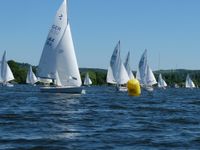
(99,119)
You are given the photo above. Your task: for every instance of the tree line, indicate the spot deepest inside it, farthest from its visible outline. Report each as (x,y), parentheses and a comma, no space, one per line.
(98,76)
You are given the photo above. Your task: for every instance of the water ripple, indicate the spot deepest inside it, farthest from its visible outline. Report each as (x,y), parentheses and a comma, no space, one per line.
(99,119)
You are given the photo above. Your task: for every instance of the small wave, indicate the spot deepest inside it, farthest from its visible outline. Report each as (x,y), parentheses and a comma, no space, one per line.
(182,121)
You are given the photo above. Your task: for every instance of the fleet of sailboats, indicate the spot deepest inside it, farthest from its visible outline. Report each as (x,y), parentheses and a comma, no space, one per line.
(117,73)
(58,64)
(58,60)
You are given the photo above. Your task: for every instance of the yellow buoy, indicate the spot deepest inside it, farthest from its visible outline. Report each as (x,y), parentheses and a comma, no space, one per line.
(133,86)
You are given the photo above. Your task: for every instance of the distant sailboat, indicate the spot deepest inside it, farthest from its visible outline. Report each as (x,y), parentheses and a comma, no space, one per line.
(31,78)
(145,74)
(87,80)
(161,82)
(58,60)
(189,83)
(117,73)
(6,73)
(127,66)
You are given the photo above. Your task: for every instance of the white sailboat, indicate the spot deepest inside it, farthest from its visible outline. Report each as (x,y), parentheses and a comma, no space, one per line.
(117,73)
(31,78)
(6,73)
(145,74)
(127,66)
(87,80)
(58,60)
(161,82)
(189,83)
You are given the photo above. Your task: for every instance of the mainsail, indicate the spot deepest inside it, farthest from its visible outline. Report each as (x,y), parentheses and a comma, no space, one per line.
(6,73)
(144,73)
(116,69)
(142,68)
(127,66)
(47,64)
(58,56)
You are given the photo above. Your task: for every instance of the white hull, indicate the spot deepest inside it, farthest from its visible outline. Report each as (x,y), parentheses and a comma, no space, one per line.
(70,90)
(121,88)
(148,88)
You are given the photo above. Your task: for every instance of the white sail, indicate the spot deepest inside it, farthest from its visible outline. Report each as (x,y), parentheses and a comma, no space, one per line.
(47,64)
(145,74)
(58,57)
(67,65)
(119,72)
(138,75)
(87,80)
(150,78)
(31,78)
(161,82)
(57,80)
(110,78)
(127,66)
(142,68)
(189,83)
(6,73)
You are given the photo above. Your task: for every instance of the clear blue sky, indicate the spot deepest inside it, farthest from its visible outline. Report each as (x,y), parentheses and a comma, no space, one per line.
(170,28)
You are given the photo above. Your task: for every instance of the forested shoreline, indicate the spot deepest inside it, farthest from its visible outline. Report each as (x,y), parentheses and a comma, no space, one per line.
(98,76)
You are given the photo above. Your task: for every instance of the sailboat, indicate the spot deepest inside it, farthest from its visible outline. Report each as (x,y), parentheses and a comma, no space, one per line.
(58,60)
(6,73)
(189,83)
(145,74)
(117,73)
(31,78)
(87,80)
(127,66)
(161,82)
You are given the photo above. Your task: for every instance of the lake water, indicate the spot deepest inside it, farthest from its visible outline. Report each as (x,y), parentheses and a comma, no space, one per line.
(99,119)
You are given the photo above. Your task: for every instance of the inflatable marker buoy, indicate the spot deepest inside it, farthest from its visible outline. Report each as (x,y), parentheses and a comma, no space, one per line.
(133,86)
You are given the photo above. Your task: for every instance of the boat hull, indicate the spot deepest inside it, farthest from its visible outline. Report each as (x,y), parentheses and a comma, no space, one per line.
(7,84)
(121,89)
(70,90)
(148,88)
